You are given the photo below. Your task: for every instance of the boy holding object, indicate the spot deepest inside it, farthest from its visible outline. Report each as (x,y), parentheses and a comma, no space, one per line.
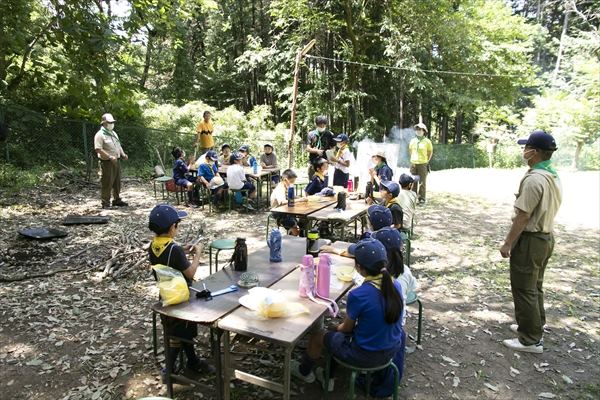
(279,198)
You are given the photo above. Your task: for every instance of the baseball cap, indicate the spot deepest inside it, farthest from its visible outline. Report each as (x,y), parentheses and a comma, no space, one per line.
(245,148)
(389,237)
(108,118)
(406,179)
(539,140)
(368,253)
(163,216)
(212,155)
(379,216)
(379,154)
(391,187)
(237,155)
(268,145)
(342,137)
(421,125)
(225,145)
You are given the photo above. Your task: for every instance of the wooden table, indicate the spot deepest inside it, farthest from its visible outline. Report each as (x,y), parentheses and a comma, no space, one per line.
(207,313)
(285,332)
(355,210)
(265,174)
(305,208)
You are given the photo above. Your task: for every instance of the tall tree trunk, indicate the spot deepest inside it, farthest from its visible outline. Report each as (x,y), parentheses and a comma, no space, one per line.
(458,128)
(561,46)
(444,130)
(575,163)
(149,47)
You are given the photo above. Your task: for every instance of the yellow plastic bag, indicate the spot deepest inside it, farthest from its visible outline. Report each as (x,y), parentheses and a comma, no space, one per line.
(171,284)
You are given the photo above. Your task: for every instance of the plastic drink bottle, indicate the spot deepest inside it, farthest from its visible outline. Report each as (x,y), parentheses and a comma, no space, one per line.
(290,196)
(274,244)
(350,185)
(323,275)
(240,255)
(307,276)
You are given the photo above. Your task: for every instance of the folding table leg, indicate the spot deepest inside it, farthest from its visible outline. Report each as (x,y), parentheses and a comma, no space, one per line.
(226,369)
(168,356)
(286,373)
(215,343)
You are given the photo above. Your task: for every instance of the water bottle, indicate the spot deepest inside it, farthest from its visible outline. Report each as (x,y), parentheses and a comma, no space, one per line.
(240,255)
(307,276)
(341,201)
(350,185)
(255,168)
(312,242)
(290,197)
(274,244)
(323,275)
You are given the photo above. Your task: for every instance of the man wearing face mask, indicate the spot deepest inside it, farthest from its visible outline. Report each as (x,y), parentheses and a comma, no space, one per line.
(529,243)
(318,142)
(109,150)
(421,151)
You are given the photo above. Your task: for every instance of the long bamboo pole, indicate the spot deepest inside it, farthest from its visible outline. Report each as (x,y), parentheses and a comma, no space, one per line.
(301,53)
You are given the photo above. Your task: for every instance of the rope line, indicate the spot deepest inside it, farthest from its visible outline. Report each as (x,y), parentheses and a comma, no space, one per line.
(410,69)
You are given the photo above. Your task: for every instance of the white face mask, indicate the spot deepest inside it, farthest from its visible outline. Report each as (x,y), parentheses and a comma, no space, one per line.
(321,129)
(526,159)
(110,127)
(420,133)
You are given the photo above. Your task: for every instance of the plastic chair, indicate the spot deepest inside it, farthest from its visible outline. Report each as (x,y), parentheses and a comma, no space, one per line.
(412,298)
(355,370)
(218,245)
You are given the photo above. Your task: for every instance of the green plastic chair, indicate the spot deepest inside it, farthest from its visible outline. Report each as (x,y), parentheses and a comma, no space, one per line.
(218,245)
(412,298)
(355,371)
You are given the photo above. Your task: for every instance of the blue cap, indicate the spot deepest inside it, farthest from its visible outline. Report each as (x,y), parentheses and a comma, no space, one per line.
(379,216)
(539,140)
(406,179)
(368,253)
(342,137)
(164,215)
(225,145)
(245,148)
(237,155)
(391,187)
(390,237)
(212,155)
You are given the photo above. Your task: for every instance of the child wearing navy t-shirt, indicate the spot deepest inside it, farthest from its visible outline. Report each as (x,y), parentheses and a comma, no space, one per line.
(181,177)
(320,179)
(371,333)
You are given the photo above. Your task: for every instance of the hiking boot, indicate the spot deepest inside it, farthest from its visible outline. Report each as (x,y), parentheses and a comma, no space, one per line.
(320,375)
(515,345)
(119,203)
(295,371)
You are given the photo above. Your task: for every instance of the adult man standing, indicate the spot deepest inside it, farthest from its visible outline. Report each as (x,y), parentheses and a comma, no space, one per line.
(204,134)
(530,242)
(421,151)
(318,142)
(109,150)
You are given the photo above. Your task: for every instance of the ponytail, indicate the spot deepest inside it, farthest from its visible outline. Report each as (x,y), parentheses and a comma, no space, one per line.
(395,262)
(391,298)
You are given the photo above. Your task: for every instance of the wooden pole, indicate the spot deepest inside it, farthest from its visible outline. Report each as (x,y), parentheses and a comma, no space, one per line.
(301,53)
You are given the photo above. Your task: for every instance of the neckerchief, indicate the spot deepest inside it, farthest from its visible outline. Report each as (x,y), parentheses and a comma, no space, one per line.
(159,244)
(394,200)
(340,151)
(380,165)
(110,134)
(546,166)
(320,176)
(375,280)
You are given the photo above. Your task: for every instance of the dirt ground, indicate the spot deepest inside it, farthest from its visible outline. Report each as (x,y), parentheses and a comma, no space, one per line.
(79,335)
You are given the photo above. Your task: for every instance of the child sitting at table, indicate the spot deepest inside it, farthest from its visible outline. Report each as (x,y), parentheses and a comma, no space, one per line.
(380,172)
(279,197)
(208,174)
(320,179)
(371,333)
(181,177)
(225,157)
(249,160)
(236,177)
(164,221)
(269,160)
(389,195)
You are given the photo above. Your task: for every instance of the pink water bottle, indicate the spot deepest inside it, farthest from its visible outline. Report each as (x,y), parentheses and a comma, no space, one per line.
(307,276)
(350,185)
(323,275)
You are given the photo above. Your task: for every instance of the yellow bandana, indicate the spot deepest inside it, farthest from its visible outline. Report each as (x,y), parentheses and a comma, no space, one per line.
(320,175)
(341,149)
(394,200)
(375,280)
(159,244)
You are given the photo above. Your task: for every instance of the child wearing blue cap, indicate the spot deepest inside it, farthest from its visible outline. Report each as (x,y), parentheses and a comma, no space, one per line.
(389,194)
(164,222)
(371,333)
(180,175)
(341,161)
(248,160)
(208,174)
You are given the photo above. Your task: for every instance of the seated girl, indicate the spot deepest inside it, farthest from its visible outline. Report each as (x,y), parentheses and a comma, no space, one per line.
(320,179)
(181,177)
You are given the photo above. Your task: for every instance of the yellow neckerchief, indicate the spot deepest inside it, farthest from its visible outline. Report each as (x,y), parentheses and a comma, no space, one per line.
(341,149)
(375,280)
(394,200)
(159,244)
(320,176)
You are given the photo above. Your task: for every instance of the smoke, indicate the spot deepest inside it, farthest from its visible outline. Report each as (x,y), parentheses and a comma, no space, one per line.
(402,137)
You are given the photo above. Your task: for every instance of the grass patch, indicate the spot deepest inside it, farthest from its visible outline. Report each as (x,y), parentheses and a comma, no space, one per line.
(14,179)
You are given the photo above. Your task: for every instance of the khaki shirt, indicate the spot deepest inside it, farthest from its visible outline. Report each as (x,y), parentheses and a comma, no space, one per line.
(540,195)
(110,143)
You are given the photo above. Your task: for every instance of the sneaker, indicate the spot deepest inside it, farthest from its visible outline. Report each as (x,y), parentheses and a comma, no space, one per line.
(320,375)
(515,345)
(119,203)
(295,371)
(515,329)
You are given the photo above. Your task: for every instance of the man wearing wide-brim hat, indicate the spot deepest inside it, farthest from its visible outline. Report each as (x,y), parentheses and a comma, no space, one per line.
(110,152)
(421,151)
(530,241)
